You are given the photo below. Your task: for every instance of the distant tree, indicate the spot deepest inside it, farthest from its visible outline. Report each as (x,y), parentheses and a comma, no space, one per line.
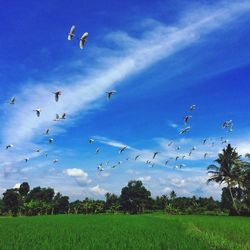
(134,197)
(61,204)
(172,195)
(24,189)
(228,162)
(11,201)
(112,202)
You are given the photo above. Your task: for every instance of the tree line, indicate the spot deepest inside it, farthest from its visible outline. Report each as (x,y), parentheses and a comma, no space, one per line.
(135,198)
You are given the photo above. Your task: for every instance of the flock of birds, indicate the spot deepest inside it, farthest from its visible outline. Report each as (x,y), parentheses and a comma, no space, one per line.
(228,125)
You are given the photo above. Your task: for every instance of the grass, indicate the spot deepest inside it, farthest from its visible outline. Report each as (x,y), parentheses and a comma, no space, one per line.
(151,231)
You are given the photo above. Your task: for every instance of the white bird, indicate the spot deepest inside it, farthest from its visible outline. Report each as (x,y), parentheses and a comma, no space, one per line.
(184,130)
(38,112)
(71,32)
(170,143)
(177,157)
(26,159)
(110,94)
(100,167)
(178,148)
(91,141)
(114,166)
(46,131)
(55,161)
(38,150)
(193,148)
(83,40)
(63,117)
(186,118)
(57,94)
(12,100)
(122,149)
(9,146)
(182,165)
(183,157)
(51,140)
(137,157)
(204,141)
(166,162)
(192,107)
(57,118)
(155,154)
(205,155)
(119,162)
(148,162)
(97,151)
(190,153)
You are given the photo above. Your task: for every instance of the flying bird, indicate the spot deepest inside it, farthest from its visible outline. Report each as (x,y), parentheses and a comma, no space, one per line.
(38,150)
(166,162)
(71,32)
(97,151)
(110,94)
(186,118)
(192,107)
(9,146)
(204,141)
(170,143)
(38,112)
(184,130)
(83,40)
(51,140)
(155,154)
(55,161)
(46,131)
(12,100)
(177,157)
(178,148)
(122,149)
(183,157)
(57,94)
(26,159)
(57,118)
(91,141)
(137,157)
(205,155)
(63,117)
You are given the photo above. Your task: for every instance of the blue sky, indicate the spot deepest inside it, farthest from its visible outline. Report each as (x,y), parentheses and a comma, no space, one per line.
(160,57)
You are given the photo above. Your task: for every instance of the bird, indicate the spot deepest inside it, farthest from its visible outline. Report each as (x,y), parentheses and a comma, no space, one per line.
(122,149)
(51,140)
(46,131)
(183,157)
(57,94)
(57,118)
(114,166)
(12,100)
(148,162)
(184,130)
(192,107)
(83,39)
(178,148)
(38,150)
(71,32)
(9,146)
(224,141)
(55,161)
(119,162)
(182,165)
(26,159)
(46,155)
(170,143)
(110,94)
(100,167)
(205,155)
(63,117)
(91,141)
(190,153)
(193,148)
(186,118)
(166,162)
(97,151)
(38,112)
(155,154)
(137,157)
(204,141)
(177,157)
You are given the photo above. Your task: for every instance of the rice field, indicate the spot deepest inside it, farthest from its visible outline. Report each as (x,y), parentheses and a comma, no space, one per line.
(150,231)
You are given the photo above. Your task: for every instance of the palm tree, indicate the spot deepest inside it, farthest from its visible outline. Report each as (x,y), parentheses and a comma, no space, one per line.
(228,171)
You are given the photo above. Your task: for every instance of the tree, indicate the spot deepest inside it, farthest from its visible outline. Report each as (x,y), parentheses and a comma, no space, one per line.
(134,197)
(11,201)
(61,204)
(229,164)
(24,189)
(112,202)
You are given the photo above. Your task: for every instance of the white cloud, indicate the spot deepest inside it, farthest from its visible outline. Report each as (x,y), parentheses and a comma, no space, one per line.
(17,185)
(144,179)
(112,143)
(97,190)
(81,177)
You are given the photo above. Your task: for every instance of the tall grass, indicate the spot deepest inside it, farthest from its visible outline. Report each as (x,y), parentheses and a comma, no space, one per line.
(152,231)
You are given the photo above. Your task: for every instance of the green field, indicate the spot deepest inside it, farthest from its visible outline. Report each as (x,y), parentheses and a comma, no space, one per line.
(152,231)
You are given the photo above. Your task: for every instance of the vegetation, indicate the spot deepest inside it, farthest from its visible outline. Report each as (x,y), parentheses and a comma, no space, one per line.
(235,173)
(147,231)
(135,198)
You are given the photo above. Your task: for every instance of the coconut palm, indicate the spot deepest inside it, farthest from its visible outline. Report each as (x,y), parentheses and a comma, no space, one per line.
(229,163)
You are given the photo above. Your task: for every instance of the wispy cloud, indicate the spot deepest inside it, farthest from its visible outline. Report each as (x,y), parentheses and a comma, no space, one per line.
(81,177)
